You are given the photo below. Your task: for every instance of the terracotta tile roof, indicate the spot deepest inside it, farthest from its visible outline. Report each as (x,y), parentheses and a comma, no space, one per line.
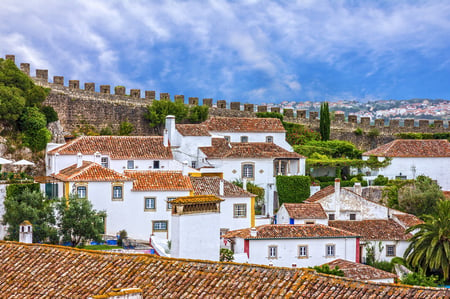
(373,229)
(244,124)
(360,271)
(222,149)
(408,220)
(290,231)
(192,130)
(196,199)
(89,172)
(46,271)
(211,185)
(412,148)
(321,194)
(305,210)
(117,147)
(152,180)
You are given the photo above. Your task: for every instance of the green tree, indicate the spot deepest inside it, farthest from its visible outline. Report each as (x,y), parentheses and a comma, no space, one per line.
(327,270)
(78,222)
(125,128)
(11,76)
(324,121)
(50,113)
(32,119)
(35,96)
(12,103)
(25,204)
(429,248)
(420,279)
(158,110)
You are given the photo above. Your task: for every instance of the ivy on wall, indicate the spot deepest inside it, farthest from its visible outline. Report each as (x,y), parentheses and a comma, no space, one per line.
(292,189)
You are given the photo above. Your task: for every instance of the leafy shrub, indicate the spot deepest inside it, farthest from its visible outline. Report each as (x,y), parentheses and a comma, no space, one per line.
(380,180)
(270,115)
(420,279)
(50,113)
(106,131)
(32,119)
(298,134)
(125,128)
(226,255)
(327,270)
(292,188)
(374,133)
(198,114)
(37,140)
(383,265)
(358,131)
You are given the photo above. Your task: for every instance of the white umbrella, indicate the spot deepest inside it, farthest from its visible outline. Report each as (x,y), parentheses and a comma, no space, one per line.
(5,161)
(23,163)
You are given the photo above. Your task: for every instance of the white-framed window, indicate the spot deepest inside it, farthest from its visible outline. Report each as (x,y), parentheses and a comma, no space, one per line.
(82,191)
(117,192)
(269,139)
(159,226)
(331,216)
(169,205)
(104,162)
(130,164)
(303,251)
(239,210)
(330,250)
(156,164)
(273,252)
(150,204)
(194,164)
(244,138)
(390,250)
(248,170)
(352,216)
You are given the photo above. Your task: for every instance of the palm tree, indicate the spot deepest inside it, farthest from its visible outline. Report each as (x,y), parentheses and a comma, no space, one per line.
(430,246)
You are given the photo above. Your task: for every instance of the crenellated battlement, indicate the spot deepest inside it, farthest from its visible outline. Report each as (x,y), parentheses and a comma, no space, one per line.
(77,103)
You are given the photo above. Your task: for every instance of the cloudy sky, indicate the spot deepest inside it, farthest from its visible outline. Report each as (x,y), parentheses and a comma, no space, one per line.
(251,51)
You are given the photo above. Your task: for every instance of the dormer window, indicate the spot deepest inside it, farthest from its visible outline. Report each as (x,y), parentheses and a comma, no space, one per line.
(130,164)
(227,138)
(156,164)
(269,139)
(244,138)
(104,162)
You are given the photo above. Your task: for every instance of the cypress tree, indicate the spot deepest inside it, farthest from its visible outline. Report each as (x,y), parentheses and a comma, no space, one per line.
(324,121)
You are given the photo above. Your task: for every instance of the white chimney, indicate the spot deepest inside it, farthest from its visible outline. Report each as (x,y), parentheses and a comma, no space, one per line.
(166,138)
(55,164)
(337,195)
(244,184)
(79,160)
(357,188)
(221,188)
(253,232)
(185,168)
(26,232)
(170,127)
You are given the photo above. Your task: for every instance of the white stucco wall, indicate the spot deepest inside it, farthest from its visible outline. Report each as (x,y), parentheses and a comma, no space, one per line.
(227,219)
(278,138)
(187,148)
(400,248)
(284,218)
(196,236)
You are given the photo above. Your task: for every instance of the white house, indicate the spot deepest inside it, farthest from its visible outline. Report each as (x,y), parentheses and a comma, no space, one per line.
(301,213)
(293,245)
(411,158)
(362,272)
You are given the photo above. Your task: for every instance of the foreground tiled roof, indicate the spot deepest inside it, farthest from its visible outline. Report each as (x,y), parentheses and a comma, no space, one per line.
(288,231)
(408,220)
(45,271)
(305,210)
(196,199)
(153,180)
(321,194)
(412,148)
(360,271)
(117,147)
(89,172)
(244,124)
(192,130)
(373,229)
(211,185)
(223,149)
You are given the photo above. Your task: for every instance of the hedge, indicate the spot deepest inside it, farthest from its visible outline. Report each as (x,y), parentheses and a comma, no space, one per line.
(343,184)
(14,189)
(292,189)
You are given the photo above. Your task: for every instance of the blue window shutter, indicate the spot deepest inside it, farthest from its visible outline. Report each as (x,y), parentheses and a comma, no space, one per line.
(291,220)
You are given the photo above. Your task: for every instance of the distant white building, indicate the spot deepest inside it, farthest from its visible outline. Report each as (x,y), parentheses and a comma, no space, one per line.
(411,158)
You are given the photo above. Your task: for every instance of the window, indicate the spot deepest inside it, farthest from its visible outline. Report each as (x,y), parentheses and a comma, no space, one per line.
(269,139)
(169,205)
(117,193)
(81,191)
(303,251)
(352,216)
(150,203)
(159,226)
(227,138)
(130,164)
(104,162)
(239,210)
(248,171)
(330,250)
(194,164)
(310,222)
(390,250)
(273,252)
(244,139)
(331,217)
(156,164)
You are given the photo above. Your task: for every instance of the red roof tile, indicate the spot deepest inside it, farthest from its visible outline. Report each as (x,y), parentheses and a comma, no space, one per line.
(289,231)
(46,271)
(89,172)
(211,185)
(321,194)
(360,271)
(373,229)
(192,130)
(222,149)
(412,148)
(152,180)
(117,147)
(305,210)
(408,220)
(244,124)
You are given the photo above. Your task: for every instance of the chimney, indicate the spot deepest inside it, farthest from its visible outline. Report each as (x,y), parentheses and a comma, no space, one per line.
(26,232)
(166,138)
(170,127)
(253,232)
(79,160)
(97,157)
(55,164)
(221,188)
(357,188)
(185,168)
(244,184)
